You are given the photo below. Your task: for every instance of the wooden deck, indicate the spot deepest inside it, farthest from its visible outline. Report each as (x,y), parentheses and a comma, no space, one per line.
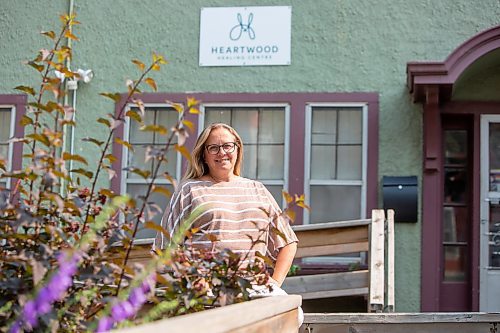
(463,322)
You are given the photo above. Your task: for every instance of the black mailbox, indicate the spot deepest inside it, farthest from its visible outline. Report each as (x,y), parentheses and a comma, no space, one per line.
(401,194)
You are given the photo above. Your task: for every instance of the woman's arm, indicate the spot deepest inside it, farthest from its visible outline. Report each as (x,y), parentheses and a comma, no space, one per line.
(283,262)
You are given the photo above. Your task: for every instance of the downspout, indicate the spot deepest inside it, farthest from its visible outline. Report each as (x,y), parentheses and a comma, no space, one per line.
(69,86)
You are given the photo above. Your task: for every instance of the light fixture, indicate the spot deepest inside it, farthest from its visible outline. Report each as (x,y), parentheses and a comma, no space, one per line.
(86,75)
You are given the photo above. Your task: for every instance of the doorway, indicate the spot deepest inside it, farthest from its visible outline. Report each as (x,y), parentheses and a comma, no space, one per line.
(489,276)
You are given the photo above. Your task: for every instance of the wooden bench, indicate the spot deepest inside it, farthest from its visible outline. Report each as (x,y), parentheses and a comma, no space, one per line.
(334,238)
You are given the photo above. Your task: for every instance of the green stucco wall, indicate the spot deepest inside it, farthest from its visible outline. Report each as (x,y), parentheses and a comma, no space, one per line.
(337,46)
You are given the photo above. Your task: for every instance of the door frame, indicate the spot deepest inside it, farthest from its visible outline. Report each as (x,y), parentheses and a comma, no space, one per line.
(484,209)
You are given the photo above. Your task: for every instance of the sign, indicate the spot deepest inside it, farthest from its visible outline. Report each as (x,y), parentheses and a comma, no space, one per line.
(245,36)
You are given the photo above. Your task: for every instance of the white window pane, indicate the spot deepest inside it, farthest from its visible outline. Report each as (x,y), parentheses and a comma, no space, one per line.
(166,117)
(334,203)
(4,125)
(270,162)
(138,136)
(245,121)
(4,151)
(272,125)
(323,162)
(324,126)
(250,161)
(276,191)
(349,162)
(160,200)
(217,115)
(350,126)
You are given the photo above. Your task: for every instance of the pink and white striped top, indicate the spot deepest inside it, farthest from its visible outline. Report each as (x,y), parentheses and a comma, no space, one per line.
(237,213)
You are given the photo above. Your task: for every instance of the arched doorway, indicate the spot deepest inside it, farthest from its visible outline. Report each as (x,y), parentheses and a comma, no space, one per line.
(461,103)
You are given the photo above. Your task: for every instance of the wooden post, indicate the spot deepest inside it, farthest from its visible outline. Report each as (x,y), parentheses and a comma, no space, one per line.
(377,269)
(390,261)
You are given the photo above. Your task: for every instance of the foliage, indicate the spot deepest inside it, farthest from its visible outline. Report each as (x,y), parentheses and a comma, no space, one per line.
(65,246)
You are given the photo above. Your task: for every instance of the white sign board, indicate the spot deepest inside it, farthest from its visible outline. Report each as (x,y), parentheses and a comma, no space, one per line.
(245,36)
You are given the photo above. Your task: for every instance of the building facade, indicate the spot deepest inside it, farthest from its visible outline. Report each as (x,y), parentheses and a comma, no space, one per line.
(367,89)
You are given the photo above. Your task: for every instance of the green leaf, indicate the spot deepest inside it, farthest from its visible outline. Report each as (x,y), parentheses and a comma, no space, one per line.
(40,138)
(134,115)
(115,97)
(50,34)
(95,141)
(69,35)
(143,173)
(152,83)
(83,172)
(162,190)
(139,64)
(26,89)
(184,151)
(111,158)
(25,120)
(155,128)
(266,259)
(191,101)
(153,226)
(78,158)
(124,143)
(189,124)
(36,66)
(104,121)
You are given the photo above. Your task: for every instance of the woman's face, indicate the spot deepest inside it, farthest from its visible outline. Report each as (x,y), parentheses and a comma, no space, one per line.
(222,162)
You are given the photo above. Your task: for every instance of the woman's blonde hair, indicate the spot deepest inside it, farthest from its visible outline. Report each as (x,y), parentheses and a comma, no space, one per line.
(197,167)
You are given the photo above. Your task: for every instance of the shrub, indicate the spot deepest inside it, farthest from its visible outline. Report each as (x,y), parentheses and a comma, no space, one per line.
(60,268)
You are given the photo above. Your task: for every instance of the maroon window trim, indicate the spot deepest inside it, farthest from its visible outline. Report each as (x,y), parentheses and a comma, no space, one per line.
(297,102)
(19,102)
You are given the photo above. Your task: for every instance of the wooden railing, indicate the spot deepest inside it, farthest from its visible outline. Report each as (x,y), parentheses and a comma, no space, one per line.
(270,314)
(333,238)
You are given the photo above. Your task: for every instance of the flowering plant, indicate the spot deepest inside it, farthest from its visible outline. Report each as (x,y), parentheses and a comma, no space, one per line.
(60,268)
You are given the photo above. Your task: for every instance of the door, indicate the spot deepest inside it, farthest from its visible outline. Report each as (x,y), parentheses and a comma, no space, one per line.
(489,283)
(455,286)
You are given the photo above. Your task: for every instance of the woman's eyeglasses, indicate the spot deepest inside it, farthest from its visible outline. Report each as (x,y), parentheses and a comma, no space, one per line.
(227,147)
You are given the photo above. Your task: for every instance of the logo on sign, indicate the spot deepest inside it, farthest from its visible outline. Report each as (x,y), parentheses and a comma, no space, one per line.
(238,30)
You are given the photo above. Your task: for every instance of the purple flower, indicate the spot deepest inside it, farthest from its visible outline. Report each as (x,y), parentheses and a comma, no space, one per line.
(29,313)
(54,290)
(129,307)
(137,297)
(16,327)
(105,324)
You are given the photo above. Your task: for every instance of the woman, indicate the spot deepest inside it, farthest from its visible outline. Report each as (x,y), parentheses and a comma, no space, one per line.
(236,211)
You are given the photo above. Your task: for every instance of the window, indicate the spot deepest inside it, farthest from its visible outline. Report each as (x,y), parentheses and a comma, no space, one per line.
(335,170)
(264,132)
(6,132)
(322,144)
(133,183)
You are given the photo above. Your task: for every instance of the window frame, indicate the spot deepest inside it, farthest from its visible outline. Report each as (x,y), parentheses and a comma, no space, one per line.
(286,139)
(17,105)
(10,150)
(307,156)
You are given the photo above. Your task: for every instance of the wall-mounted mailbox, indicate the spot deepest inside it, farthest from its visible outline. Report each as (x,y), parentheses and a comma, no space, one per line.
(401,194)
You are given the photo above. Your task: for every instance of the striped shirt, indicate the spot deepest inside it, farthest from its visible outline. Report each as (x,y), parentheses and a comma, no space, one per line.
(240,215)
